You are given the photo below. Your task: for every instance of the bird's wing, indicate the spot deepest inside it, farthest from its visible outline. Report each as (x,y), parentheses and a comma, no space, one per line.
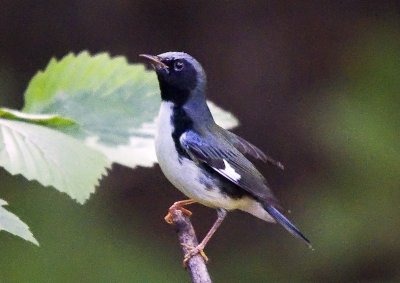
(246,147)
(216,152)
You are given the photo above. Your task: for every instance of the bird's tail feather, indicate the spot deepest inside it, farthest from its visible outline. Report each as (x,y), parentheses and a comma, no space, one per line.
(281,219)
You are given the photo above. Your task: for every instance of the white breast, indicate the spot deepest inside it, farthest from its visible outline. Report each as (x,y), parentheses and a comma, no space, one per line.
(184,175)
(180,174)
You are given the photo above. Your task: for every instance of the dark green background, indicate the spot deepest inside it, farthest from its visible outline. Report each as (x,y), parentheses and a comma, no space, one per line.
(316,84)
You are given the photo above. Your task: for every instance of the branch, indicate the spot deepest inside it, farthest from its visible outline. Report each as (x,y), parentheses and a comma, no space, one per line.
(196,265)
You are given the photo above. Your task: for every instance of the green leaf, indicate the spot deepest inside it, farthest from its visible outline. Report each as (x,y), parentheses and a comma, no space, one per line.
(114,103)
(50,157)
(49,120)
(11,223)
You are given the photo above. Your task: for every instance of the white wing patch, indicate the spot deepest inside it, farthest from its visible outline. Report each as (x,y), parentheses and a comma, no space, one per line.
(230,172)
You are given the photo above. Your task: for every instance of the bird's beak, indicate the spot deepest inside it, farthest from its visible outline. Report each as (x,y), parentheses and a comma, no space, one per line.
(155,61)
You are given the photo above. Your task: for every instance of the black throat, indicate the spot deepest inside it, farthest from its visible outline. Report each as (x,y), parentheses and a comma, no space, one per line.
(181,123)
(173,94)
(180,120)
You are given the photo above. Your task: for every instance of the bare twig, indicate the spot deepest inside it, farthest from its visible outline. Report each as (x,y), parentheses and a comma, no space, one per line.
(187,238)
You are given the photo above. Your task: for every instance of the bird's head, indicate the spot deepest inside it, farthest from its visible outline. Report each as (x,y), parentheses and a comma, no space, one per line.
(180,75)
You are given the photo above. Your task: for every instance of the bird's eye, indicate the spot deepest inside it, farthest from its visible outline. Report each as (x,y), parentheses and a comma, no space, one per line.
(178,66)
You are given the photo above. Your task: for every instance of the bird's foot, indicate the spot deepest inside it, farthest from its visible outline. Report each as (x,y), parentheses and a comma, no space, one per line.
(192,251)
(178,206)
(169,219)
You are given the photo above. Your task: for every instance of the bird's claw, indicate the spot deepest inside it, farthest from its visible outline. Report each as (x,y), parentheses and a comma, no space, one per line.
(169,219)
(192,251)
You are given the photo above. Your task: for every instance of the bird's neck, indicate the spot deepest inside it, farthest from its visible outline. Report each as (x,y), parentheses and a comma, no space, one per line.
(173,94)
(197,109)
(184,113)
(188,104)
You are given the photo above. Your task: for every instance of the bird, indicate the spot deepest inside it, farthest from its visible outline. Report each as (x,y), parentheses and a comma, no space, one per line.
(206,162)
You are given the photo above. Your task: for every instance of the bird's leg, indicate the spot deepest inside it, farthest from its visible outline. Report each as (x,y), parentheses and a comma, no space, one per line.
(179,205)
(200,247)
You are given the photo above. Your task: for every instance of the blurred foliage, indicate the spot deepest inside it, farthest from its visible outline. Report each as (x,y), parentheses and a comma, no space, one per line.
(50,157)
(12,224)
(114,103)
(48,120)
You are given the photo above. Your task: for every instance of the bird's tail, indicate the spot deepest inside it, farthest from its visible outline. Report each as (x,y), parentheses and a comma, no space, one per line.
(281,219)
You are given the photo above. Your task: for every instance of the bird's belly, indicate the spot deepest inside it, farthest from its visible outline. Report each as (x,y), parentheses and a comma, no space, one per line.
(184,174)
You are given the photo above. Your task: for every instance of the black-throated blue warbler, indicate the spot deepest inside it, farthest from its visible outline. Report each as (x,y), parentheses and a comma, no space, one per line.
(204,161)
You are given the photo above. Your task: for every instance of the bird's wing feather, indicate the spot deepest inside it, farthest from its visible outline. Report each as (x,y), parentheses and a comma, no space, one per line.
(216,152)
(246,147)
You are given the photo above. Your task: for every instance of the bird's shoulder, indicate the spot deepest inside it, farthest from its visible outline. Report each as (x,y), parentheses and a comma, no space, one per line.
(212,148)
